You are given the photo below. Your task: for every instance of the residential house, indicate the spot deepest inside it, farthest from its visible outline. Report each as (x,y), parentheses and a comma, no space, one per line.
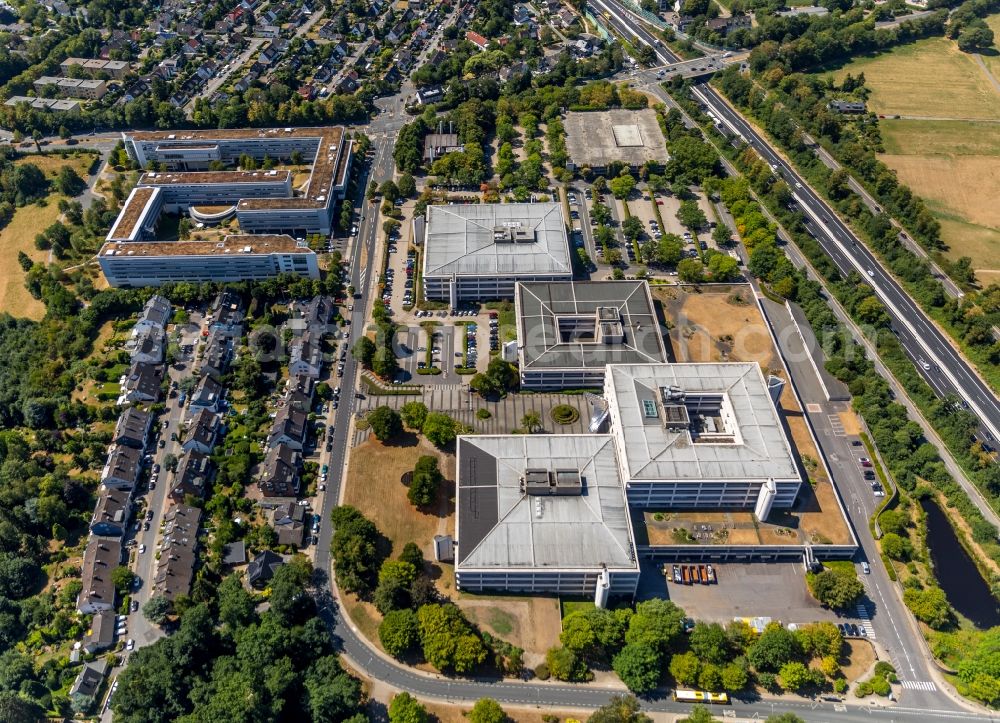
(289,521)
(847,107)
(299,390)
(552,7)
(521,14)
(101,635)
(724,26)
(476,39)
(207,395)
(132,428)
(235,553)
(102,555)
(216,354)
(404,59)
(146,345)
(397,32)
(155,314)
(266,31)
(433,93)
(567,18)
(262,568)
(290,427)
(305,355)
(678,22)
(279,475)
(142,383)
(328,31)
(112,511)
(202,432)
(175,566)
(122,468)
(227,313)
(83,692)
(191,477)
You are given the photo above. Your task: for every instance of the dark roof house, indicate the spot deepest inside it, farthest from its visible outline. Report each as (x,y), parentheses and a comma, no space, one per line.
(263,567)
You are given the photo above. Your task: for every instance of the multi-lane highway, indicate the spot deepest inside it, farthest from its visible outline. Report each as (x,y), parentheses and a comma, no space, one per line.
(935,355)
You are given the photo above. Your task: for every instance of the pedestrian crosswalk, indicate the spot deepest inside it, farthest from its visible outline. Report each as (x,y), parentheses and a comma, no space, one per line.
(918,685)
(866,622)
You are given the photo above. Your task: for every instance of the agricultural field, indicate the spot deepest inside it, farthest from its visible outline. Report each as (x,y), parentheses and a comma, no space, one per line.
(946,141)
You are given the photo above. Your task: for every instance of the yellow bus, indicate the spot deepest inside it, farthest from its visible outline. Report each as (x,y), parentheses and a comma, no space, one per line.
(700,696)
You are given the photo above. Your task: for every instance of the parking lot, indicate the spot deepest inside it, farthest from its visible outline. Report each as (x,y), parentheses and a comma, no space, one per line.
(774,590)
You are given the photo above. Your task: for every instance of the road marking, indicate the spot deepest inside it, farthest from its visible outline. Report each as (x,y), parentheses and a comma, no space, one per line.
(918,685)
(814,408)
(836,425)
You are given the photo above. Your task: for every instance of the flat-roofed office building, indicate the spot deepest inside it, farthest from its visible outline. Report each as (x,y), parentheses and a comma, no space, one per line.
(568,332)
(475,252)
(236,258)
(542,513)
(703,436)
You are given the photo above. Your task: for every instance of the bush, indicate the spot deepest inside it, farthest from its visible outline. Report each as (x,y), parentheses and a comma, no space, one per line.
(542,671)
(483,414)
(564,414)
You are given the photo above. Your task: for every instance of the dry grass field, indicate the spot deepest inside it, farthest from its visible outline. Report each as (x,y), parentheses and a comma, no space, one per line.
(19,235)
(901,84)
(946,144)
(374,487)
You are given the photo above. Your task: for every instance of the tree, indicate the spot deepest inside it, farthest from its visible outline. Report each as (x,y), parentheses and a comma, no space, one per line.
(784,718)
(974,37)
(404,708)
(364,351)
(16,708)
(447,639)
(236,605)
(723,267)
(622,186)
(620,709)
(426,481)
(691,271)
(440,429)
(487,710)
(395,578)
(657,623)
(638,666)
(690,215)
(929,606)
(896,547)
(385,423)
(721,235)
(157,609)
(698,714)
(398,632)
(835,589)
(498,378)
(355,549)
(820,639)
(389,191)
(566,665)
(384,363)
(734,677)
(407,186)
(123,579)
(709,642)
(795,676)
(775,647)
(632,228)
(595,633)
(684,668)
(68,182)
(413,414)
(531,421)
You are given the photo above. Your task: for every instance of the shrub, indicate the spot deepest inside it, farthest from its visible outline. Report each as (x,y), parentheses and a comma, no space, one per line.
(542,671)
(564,414)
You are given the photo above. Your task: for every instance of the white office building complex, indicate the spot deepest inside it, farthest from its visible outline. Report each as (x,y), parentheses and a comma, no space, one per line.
(542,513)
(568,332)
(262,201)
(236,258)
(699,436)
(480,251)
